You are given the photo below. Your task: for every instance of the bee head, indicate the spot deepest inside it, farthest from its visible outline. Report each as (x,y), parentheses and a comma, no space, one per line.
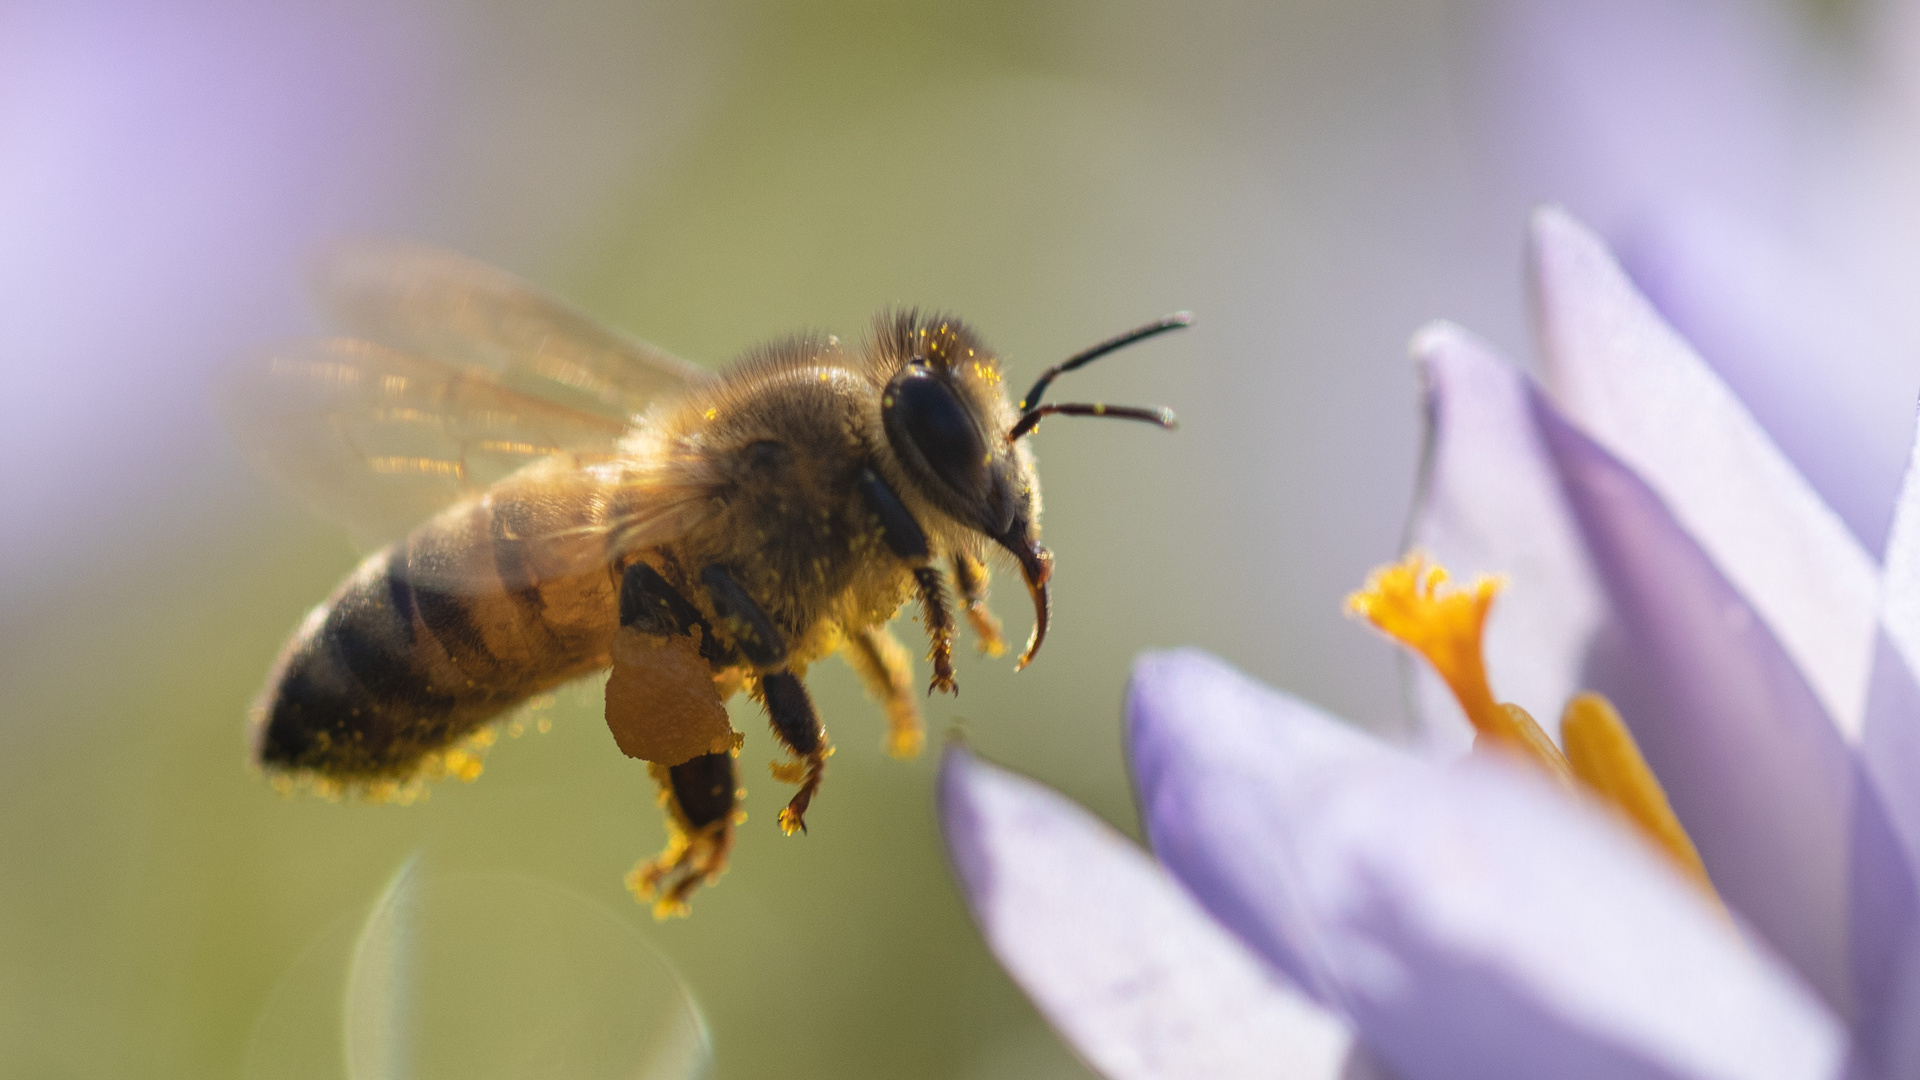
(949,422)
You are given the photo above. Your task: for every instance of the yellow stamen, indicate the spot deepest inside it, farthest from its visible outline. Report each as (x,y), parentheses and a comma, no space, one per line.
(1406,602)
(1526,735)
(1604,756)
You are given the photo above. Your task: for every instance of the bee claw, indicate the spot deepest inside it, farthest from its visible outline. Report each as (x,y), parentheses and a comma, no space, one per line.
(686,863)
(793,820)
(807,772)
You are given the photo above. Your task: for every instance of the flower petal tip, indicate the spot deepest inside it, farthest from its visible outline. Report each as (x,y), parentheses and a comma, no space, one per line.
(1552,228)
(1172,669)
(1435,339)
(954,787)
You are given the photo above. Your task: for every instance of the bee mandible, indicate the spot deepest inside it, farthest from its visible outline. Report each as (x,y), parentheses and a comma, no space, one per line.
(591,502)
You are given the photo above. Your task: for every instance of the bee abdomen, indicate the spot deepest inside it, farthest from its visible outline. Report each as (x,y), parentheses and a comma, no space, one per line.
(390,671)
(353,696)
(489,603)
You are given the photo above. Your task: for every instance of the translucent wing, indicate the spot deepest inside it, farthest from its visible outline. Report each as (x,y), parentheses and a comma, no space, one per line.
(379,439)
(548,535)
(436,303)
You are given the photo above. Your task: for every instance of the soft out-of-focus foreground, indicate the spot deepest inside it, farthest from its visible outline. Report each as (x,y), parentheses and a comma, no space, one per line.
(1314,180)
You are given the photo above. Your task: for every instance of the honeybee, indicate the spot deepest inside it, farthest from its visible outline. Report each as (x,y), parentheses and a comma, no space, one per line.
(591,502)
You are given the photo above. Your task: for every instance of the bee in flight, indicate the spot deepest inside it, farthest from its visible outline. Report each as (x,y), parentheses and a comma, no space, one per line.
(591,502)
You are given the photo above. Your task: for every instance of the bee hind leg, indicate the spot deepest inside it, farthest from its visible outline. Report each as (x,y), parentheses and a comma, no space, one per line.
(663,707)
(798,726)
(700,797)
(884,666)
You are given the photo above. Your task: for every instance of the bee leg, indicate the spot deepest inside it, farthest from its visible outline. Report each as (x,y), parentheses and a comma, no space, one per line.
(905,538)
(663,708)
(699,796)
(662,705)
(884,666)
(795,722)
(753,632)
(903,535)
(798,726)
(939,620)
(970,574)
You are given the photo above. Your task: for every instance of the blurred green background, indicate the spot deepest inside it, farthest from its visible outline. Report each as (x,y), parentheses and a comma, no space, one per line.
(705,176)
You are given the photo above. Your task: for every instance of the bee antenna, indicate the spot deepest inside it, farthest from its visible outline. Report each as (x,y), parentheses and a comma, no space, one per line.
(1153,415)
(1174,321)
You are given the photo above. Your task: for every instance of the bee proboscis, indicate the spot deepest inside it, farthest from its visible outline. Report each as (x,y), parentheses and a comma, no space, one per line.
(576,501)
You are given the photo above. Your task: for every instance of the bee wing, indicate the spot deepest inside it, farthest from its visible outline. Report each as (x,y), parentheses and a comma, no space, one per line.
(379,439)
(552,531)
(432,302)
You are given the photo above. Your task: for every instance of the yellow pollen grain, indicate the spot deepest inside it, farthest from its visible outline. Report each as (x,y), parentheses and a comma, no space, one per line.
(1605,758)
(711,413)
(1410,603)
(464,765)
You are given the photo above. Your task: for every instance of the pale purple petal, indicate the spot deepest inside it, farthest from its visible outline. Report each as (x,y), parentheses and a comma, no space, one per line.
(1797,343)
(1756,771)
(1483,925)
(1490,503)
(1116,955)
(1625,378)
(1891,743)
(1472,921)
(1886,924)
(1900,595)
(1222,768)
(1884,900)
(1746,776)
(1765,209)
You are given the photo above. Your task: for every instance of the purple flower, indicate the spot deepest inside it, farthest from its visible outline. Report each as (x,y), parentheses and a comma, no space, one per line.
(1323,904)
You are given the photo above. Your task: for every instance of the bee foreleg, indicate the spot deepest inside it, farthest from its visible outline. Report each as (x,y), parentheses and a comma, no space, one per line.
(888,672)
(902,534)
(939,620)
(905,538)
(700,798)
(970,574)
(798,727)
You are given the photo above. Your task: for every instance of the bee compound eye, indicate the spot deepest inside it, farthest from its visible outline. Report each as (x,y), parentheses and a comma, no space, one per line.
(925,415)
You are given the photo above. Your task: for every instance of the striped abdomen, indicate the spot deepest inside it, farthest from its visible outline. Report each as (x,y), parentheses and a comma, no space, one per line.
(491,602)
